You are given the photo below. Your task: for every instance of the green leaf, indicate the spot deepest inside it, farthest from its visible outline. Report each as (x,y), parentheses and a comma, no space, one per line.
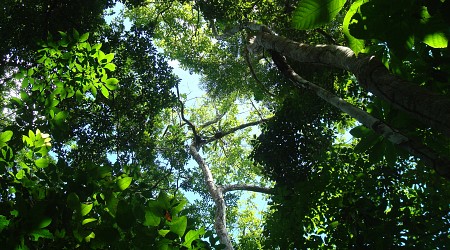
(85,209)
(60,117)
(88,220)
(45,222)
(357,45)
(163,232)
(83,38)
(111,83)
(124,183)
(311,14)
(104,91)
(20,174)
(5,137)
(367,142)
(4,223)
(41,233)
(109,57)
(176,209)
(436,40)
(151,219)
(76,35)
(360,131)
(178,225)
(97,46)
(41,162)
(191,236)
(110,66)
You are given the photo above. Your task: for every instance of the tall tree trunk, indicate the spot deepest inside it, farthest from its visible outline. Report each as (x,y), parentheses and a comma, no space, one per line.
(428,107)
(220,222)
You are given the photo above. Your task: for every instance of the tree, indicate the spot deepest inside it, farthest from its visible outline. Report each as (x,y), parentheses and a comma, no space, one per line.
(387,84)
(393,104)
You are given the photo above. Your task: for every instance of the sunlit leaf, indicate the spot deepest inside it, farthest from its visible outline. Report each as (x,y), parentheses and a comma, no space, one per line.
(88,220)
(85,209)
(357,45)
(178,225)
(42,162)
(311,14)
(124,183)
(111,83)
(436,40)
(83,37)
(5,137)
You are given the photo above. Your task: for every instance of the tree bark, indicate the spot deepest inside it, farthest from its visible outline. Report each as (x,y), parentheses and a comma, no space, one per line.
(220,222)
(243,187)
(428,107)
(429,156)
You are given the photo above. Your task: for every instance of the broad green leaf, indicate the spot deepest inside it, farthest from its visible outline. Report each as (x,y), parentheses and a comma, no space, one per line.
(101,56)
(178,225)
(163,232)
(357,45)
(88,220)
(60,117)
(109,57)
(20,174)
(45,222)
(124,183)
(83,37)
(360,131)
(41,162)
(85,209)
(311,14)
(97,46)
(104,91)
(191,236)
(436,40)
(110,66)
(111,83)
(151,219)
(5,137)
(176,209)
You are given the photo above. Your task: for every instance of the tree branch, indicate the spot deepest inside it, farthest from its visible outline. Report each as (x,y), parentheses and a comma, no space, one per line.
(244,187)
(429,156)
(221,134)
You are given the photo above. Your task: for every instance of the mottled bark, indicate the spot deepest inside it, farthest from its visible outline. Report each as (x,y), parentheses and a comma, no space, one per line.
(428,107)
(220,222)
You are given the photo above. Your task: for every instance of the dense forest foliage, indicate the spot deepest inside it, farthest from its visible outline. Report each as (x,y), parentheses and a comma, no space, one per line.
(336,112)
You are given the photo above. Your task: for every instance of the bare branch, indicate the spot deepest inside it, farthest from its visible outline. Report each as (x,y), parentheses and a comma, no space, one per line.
(221,134)
(244,187)
(213,121)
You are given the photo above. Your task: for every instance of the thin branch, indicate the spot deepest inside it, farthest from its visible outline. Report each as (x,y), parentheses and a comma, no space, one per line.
(221,134)
(244,187)
(252,71)
(213,121)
